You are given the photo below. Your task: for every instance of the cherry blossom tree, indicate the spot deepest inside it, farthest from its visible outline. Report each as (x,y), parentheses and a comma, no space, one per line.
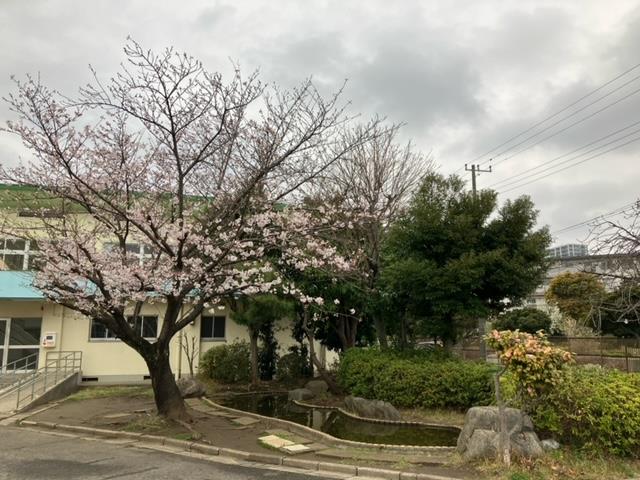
(204,174)
(373,185)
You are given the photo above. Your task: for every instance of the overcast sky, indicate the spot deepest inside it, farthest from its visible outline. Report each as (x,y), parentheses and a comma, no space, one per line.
(464,76)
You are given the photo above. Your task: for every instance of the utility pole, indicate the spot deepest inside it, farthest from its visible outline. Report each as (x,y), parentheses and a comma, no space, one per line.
(482,322)
(475,169)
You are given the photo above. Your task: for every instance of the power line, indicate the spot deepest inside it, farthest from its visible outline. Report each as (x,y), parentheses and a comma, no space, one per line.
(523,175)
(564,109)
(564,129)
(617,211)
(572,165)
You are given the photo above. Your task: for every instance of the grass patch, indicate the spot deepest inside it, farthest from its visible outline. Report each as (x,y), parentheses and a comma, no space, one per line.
(564,464)
(88,393)
(147,424)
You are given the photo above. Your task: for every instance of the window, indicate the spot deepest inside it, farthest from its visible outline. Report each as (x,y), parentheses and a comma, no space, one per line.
(100,332)
(17,254)
(145,325)
(135,251)
(213,328)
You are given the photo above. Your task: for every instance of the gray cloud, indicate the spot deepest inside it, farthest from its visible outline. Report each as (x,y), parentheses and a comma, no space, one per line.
(464,76)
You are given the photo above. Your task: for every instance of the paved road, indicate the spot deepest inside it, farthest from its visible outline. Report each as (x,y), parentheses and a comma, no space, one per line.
(34,455)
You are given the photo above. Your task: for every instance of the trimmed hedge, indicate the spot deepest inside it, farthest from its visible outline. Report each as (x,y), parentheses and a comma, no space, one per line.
(429,379)
(594,409)
(228,363)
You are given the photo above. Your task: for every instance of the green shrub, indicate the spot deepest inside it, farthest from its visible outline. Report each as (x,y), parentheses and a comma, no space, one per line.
(594,409)
(228,363)
(528,320)
(429,379)
(294,365)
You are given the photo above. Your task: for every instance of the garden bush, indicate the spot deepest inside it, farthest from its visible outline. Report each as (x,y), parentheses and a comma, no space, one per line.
(416,378)
(294,365)
(594,409)
(228,363)
(528,320)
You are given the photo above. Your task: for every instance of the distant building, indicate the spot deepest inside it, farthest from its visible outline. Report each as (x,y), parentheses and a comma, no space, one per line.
(568,250)
(610,267)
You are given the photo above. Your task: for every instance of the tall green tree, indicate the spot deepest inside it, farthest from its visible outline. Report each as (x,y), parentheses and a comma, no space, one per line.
(257,312)
(577,295)
(453,257)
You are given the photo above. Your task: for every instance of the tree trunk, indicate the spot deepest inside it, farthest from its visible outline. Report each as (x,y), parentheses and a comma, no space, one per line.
(347,329)
(167,396)
(381,332)
(333,386)
(504,447)
(403,332)
(253,342)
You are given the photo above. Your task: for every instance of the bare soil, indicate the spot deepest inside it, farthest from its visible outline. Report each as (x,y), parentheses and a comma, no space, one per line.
(134,410)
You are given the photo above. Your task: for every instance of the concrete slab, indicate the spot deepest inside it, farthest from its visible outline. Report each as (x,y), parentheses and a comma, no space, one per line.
(295,448)
(275,441)
(316,447)
(245,421)
(289,436)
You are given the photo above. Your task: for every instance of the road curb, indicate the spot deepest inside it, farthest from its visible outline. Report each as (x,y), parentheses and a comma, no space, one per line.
(260,458)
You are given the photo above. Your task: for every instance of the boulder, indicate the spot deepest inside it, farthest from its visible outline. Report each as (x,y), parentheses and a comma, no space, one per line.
(190,387)
(550,444)
(479,437)
(318,387)
(300,394)
(371,408)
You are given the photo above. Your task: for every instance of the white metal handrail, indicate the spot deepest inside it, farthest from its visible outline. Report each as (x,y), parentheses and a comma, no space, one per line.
(30,362)
(39,381)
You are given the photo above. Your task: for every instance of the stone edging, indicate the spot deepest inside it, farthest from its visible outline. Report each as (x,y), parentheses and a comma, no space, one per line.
(238,454)
(378,420)
(321,436)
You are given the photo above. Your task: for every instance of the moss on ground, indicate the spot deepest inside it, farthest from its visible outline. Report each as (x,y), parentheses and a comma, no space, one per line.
(88,393)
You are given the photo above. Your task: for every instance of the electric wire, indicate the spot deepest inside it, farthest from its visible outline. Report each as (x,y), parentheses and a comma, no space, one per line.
(546,119)
(570,166)
(564,129)
(617,211)
(538,168)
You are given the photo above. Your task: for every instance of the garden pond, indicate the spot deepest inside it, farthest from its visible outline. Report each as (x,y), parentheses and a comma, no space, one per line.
(337,424)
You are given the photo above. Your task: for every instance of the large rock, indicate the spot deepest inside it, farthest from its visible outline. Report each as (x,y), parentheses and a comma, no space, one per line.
(190,387)
(318,387)
(479,437)
(550,444)
(300,394)
(371,408)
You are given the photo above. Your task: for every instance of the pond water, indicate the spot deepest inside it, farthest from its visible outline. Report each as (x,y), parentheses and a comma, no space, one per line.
(341,426)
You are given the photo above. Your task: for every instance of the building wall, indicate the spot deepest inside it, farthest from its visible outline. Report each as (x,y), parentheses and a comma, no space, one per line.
(112,361)
(600,264)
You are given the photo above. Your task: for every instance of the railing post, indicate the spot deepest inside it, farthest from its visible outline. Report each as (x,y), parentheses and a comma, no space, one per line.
(33,387)
(626,357)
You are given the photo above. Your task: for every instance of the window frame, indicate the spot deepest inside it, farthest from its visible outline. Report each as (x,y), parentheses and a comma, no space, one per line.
(116,338)
(144,251)
(27,253)
(211,338)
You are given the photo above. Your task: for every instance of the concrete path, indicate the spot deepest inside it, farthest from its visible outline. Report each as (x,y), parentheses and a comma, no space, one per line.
(34,455)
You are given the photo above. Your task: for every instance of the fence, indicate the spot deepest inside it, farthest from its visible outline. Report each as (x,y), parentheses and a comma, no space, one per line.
(620,353)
